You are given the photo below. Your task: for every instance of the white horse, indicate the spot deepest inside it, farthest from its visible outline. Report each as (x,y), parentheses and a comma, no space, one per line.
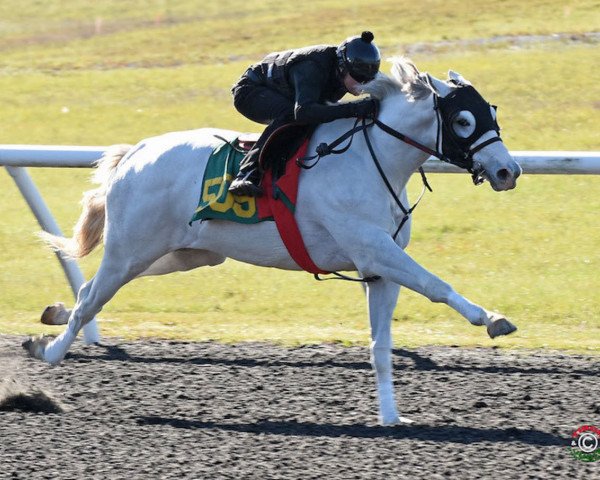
(345,212)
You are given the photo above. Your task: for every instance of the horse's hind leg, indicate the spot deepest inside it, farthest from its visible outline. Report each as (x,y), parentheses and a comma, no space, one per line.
(115,271)
(178,261)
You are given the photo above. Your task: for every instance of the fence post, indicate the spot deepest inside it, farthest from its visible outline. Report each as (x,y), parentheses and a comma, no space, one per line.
(46,221)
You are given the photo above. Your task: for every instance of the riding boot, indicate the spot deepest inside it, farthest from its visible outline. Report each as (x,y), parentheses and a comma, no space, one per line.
(247,182)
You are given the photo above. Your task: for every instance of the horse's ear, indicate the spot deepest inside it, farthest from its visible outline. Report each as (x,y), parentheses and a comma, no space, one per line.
(438,86)
(457,78)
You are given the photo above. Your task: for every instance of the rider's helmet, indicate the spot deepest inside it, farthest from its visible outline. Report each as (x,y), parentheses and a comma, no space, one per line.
(359,57)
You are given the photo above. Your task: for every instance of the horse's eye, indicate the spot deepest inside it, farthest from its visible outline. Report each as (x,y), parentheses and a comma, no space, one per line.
(464,123)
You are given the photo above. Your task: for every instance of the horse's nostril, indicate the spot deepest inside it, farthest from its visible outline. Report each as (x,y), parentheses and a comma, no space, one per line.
(518,171)
(503,174)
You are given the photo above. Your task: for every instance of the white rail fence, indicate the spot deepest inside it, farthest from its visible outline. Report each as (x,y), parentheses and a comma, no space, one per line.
(16,157)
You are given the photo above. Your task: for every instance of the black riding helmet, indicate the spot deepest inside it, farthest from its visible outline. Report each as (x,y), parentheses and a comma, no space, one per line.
(359,57)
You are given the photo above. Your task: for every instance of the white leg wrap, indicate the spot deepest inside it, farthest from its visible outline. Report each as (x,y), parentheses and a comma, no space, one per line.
(382,364)
(56,350)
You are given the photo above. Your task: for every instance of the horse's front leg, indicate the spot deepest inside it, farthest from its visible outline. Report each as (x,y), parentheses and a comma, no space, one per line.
(382,297)
(375,253)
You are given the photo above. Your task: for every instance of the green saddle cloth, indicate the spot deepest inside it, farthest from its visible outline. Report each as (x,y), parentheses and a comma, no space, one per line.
(215,201)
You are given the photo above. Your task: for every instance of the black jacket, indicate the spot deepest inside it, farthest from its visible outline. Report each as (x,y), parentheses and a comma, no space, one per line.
(310,77)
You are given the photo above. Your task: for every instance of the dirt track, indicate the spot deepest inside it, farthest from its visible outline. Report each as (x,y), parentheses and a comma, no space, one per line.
(159,409)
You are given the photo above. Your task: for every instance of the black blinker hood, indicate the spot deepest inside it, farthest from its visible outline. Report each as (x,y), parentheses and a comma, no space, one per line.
(456,148)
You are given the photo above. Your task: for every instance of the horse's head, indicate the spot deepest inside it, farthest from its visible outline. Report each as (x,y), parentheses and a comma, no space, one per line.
(470,135)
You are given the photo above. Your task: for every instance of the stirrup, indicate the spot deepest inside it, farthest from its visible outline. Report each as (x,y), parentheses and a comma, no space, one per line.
(244,186)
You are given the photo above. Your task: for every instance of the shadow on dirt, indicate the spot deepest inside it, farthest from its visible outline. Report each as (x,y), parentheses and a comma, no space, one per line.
(119,354)
(446,433)
(425,363)
(419,362)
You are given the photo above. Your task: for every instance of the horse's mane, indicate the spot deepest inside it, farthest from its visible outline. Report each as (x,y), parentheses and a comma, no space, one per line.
(405,79)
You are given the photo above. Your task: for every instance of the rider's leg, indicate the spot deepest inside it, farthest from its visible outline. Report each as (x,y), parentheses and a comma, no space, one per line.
(248,178)
(262,105)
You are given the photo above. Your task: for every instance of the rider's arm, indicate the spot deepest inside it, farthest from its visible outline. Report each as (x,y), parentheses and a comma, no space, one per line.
(308,80)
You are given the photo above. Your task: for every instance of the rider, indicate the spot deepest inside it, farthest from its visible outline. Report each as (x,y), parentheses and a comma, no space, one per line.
(296,85)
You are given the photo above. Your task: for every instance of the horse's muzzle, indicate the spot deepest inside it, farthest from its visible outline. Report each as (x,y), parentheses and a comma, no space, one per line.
(505,178)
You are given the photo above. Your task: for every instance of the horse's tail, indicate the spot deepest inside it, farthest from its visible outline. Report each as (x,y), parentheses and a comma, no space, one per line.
(89,229)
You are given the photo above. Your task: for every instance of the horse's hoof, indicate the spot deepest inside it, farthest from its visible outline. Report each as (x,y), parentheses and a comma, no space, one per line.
(398,420)
(55,314)
(500,327)
(27,343)
(36,346)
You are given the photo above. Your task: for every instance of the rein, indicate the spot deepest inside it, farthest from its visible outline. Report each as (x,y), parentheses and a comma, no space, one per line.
(394,133)
(465,161)
(325,149)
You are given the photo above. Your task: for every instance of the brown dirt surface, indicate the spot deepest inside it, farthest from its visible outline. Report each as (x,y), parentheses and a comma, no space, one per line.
(164,409)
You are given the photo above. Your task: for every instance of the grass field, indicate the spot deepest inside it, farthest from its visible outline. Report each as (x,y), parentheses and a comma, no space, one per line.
(121,71)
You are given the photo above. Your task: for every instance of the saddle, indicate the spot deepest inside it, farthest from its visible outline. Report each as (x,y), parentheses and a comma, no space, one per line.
(279,147)
(280,180)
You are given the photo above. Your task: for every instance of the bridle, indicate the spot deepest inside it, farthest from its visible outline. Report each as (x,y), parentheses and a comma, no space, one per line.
(459,150)
(450,147)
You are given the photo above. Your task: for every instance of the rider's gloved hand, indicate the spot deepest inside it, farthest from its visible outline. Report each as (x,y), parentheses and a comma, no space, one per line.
(367,108)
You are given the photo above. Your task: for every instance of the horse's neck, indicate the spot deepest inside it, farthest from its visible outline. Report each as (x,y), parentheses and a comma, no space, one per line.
(398,160)
(415,119)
